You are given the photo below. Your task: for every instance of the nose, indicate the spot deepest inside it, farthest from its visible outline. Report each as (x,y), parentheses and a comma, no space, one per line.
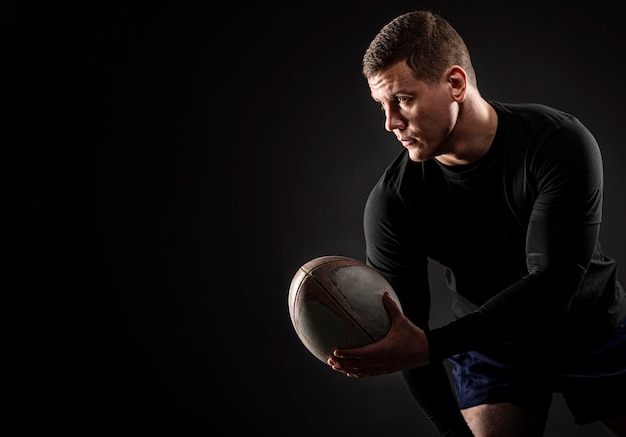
(393,120)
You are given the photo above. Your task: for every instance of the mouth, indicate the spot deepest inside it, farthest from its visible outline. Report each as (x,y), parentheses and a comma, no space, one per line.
(406,142)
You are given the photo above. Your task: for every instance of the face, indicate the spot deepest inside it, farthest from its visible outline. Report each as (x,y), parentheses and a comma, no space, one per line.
(421,116)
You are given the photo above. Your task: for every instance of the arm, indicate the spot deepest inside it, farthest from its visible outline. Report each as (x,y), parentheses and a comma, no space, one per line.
(557,258)
(386,235)
(561,238)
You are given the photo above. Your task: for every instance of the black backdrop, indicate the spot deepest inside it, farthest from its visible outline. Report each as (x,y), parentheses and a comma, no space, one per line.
(170,165)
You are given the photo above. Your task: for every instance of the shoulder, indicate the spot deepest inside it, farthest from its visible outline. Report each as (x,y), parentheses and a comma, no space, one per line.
(531,111)
(538,119)
(557,158)
(538,128)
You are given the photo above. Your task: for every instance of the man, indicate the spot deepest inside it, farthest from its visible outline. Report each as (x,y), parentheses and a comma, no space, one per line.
(508,197)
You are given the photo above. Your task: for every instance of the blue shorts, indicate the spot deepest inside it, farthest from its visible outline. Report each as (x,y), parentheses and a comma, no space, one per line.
(593,385)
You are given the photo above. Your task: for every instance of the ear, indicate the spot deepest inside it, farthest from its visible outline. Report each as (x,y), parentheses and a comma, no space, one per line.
(457,78)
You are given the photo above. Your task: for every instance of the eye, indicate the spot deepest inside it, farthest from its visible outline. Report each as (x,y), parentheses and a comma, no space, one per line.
(401,99)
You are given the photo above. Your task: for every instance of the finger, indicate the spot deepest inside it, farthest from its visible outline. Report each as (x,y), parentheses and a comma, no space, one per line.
(355,373)
(345,364)
(356,353)
(359,367)
(359,371)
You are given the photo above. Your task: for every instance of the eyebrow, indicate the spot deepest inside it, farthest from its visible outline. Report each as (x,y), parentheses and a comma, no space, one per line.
(402,91)
(394,96)
(397,93)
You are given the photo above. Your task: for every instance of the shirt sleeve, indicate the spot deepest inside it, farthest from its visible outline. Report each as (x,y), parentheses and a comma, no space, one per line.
(392,249)
(562,235)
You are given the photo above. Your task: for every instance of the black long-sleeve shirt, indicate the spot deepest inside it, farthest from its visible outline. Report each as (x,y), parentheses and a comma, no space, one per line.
(517,230)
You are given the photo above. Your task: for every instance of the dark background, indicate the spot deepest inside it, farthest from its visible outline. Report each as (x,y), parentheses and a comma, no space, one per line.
(169,167)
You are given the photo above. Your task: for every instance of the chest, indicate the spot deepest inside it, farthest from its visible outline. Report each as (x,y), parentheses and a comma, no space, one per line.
(475,218)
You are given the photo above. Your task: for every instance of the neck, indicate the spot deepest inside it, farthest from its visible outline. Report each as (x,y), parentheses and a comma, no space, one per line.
(475,130)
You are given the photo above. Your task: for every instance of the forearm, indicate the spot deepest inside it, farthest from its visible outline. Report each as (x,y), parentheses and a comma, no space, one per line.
(557,261)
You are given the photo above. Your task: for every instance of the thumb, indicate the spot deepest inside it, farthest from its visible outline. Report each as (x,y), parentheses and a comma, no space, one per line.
(391,306)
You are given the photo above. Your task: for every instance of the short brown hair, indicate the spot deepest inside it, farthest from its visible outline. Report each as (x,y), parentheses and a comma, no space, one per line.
(425,40)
